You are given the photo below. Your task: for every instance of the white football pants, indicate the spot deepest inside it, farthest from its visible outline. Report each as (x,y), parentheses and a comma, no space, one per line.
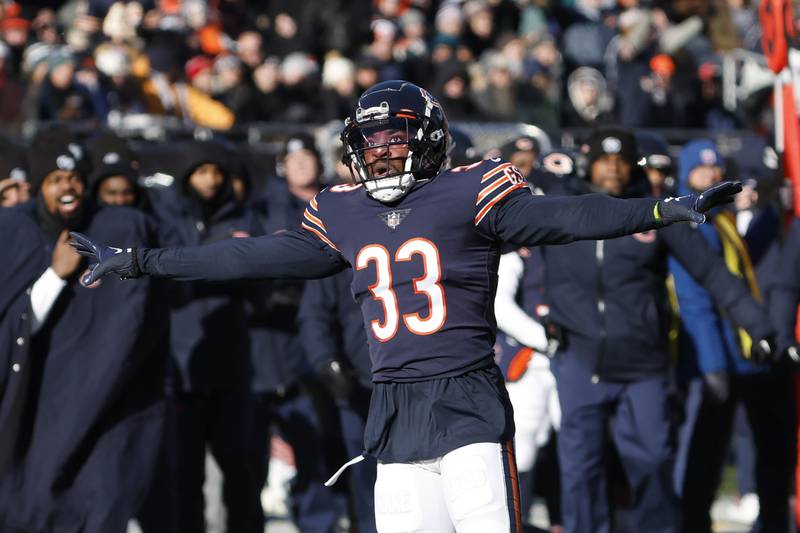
(473,489)
(536,410)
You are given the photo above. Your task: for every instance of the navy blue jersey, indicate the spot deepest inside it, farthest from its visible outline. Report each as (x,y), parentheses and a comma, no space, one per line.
(424,270)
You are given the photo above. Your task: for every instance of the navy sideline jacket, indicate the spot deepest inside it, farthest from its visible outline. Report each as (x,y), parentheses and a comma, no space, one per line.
(610,297)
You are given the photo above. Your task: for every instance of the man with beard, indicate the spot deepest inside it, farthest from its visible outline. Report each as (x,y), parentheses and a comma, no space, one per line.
(81,382)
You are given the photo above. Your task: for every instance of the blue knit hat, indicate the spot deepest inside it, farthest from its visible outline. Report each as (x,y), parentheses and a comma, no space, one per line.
(694,154)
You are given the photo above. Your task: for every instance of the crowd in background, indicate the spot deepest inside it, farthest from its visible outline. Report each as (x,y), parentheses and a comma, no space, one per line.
(644,63)
(243,361)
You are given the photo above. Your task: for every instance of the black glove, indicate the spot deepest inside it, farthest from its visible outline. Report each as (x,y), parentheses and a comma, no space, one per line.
(338,379)
(105,259)
(555,333)
(690,208)
(763,350)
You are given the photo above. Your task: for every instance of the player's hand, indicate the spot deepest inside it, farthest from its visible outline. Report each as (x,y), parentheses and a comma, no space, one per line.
(691,208)
(105,259)
(338,379)
(65,260)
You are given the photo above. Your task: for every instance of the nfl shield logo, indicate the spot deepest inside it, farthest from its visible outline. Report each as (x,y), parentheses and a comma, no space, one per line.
(392,219)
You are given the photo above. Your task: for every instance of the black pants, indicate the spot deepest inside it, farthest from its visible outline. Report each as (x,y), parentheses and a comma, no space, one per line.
(316,508)
(220,421)
(705,439)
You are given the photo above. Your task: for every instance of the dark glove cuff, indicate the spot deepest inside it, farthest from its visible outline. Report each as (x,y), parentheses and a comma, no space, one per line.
(137,261)
(135,271)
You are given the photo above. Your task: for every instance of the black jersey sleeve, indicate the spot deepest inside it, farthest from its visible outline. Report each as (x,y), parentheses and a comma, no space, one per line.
(290,255)
(525,219)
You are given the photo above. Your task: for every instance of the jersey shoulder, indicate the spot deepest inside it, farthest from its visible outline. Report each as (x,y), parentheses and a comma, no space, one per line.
(487,183)
(332,201)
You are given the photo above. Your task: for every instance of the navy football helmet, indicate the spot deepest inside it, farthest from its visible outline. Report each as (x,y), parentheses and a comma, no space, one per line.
(396,135)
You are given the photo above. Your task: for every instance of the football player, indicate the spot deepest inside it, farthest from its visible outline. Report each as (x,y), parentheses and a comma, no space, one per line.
(424,244)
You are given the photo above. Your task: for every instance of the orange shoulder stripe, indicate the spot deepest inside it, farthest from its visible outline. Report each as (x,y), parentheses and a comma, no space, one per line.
(311,218)
(490,188)
(319,234)
(489,205)
(494,171)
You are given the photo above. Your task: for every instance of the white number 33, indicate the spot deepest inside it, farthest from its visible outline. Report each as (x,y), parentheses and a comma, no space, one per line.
(427,284)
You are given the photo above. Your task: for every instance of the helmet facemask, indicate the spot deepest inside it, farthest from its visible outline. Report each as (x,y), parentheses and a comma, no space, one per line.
(387,155)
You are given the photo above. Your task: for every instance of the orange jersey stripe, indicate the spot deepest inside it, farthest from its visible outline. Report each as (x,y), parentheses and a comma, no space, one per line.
(311,218)
(488,206)
(512,467)
(495,171)
(491,187)
(319,234)
(313,203)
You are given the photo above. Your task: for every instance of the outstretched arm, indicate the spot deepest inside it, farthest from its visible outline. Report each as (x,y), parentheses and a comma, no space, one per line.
(290,255)
(532,220)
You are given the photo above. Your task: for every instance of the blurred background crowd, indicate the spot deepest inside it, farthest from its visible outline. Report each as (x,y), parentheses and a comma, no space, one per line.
(223,63)
(220,119)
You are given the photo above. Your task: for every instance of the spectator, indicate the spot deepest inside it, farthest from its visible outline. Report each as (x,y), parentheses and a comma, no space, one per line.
(495,91)
(718,371)
(14,187)
(231,88)
(339,87)
(121,93)
(286,33)
(209,345)
(200,74)
(657,163)
(14,32)
(249,48)
(382,49)
(299,88)
(114,176)
(451,87)
(121,22)
(539,97)
(589,101)
(266,78)
(80,434)
(367,73)
(480,31)
(61,97)
(522,152)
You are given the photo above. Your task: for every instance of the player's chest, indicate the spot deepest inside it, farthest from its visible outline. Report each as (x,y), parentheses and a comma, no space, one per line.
(424,241)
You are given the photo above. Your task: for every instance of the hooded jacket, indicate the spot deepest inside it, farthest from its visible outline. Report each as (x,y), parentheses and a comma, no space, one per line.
(209,343)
